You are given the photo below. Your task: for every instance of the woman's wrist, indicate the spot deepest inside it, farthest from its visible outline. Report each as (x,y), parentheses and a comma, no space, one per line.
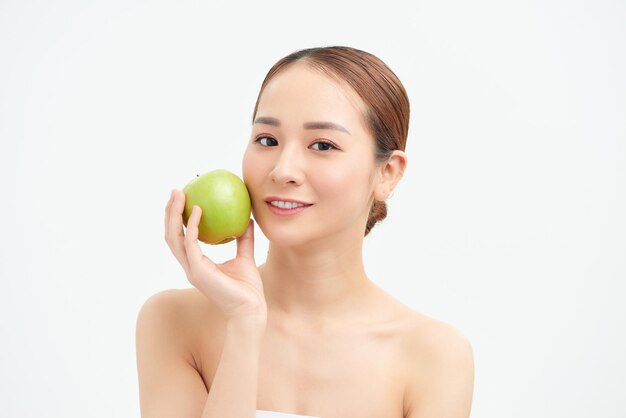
(248,325)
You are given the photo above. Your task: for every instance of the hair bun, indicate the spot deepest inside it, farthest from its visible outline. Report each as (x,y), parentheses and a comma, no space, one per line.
(378,212)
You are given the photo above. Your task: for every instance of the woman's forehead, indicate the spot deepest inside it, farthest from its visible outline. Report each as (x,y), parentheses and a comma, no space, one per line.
(302,90)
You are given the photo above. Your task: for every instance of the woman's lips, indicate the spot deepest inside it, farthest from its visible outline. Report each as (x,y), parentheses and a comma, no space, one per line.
(286,207)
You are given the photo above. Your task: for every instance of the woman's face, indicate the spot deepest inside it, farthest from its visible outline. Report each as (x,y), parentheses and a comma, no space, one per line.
(309,144)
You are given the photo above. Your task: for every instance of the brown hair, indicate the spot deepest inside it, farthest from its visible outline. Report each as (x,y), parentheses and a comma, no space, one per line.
(386,101)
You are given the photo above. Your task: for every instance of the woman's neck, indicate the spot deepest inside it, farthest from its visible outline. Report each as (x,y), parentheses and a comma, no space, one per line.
(320,285)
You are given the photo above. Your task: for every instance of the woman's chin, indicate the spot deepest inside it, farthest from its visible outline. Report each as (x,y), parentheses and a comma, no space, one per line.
(286,236)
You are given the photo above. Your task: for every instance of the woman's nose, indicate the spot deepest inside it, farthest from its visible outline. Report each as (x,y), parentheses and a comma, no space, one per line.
(288,168)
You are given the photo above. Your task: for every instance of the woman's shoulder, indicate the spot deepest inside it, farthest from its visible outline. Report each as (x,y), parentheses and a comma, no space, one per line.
(417,329)
(174,297)
(180,306)
(422,338)
(171,326)
(430,336)
(435,354)
(180,313)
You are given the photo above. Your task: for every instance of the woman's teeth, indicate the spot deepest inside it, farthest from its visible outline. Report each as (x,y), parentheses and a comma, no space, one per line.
(285,205)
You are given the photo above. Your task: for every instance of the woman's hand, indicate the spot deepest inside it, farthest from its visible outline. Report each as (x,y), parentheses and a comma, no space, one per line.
(234,286)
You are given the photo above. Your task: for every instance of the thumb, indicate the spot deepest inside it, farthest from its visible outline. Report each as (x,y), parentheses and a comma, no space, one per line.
(245,243)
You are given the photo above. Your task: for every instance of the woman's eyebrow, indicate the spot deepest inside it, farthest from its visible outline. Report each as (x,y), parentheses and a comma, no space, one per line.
(325,125)
(267,120)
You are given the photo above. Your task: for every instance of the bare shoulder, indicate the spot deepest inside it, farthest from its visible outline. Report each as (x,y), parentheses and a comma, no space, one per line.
(440,372)
(427,337)
(174,315)
(420,334)
(168,365)
(174,306)
(175,300)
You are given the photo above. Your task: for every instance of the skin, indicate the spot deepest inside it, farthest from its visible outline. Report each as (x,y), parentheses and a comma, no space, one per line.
(331,342)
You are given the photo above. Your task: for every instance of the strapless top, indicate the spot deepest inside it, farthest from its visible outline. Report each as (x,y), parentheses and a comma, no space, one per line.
(273,414)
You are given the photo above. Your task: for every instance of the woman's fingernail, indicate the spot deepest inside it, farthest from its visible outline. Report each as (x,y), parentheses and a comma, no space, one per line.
(172,195)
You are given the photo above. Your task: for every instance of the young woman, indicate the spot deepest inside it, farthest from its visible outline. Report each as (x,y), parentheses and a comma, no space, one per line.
(307,333)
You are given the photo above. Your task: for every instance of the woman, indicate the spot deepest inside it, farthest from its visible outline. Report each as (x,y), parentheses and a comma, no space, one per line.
(307,332)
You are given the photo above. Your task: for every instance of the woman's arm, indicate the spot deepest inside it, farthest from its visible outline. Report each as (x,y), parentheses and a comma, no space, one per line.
(170,385)
(234,389)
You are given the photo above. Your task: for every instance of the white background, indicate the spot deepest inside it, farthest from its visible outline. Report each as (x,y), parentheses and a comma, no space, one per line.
(509,223)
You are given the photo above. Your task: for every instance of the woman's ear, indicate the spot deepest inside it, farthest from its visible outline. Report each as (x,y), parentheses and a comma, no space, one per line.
(389,174)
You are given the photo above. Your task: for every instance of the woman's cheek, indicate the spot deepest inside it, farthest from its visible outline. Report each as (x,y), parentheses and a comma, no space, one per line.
(251,169)
(245,165)
(345,177)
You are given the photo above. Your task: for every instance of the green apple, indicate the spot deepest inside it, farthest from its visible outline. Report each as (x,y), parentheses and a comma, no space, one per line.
(225,203)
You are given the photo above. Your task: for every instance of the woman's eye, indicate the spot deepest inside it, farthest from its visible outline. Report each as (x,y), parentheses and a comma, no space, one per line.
(323,146)
(266,141)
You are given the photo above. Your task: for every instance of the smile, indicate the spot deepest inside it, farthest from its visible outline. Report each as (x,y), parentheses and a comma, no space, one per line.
(286,205)
(282,207)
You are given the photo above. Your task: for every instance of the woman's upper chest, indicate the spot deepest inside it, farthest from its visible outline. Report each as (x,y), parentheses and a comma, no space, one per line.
(352,373)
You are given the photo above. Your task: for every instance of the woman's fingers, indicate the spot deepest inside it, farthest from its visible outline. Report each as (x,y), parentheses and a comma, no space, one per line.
(198,263)
(227,284)
(174,234)
(194,252)
(245,243)
(167,214)
(176,217)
